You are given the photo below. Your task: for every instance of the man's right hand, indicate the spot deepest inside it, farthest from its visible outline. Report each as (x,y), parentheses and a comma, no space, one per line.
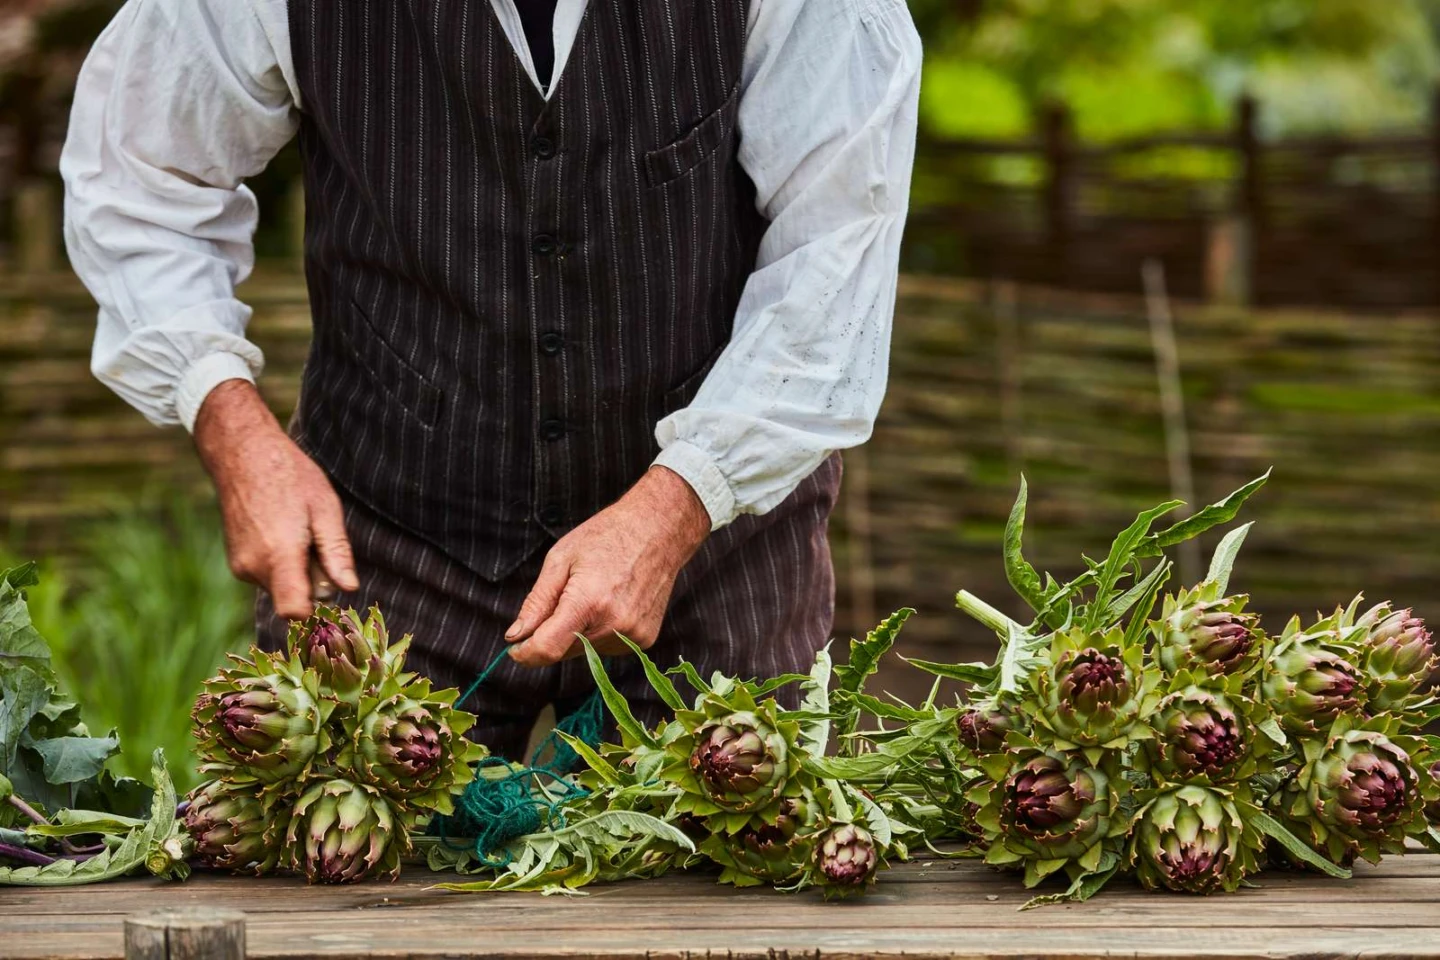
(276,503)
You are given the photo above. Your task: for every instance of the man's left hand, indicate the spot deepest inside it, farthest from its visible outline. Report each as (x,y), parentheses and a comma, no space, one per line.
(613,574)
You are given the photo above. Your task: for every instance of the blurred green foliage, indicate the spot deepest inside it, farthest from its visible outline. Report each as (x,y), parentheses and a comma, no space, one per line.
(137,619)
(1130,67)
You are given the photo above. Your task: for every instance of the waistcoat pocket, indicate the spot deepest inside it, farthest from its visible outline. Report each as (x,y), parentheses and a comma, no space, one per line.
(677,159)
(397,379)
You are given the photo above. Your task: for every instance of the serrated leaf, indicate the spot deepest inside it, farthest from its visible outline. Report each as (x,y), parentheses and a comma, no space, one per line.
(815,733)
(865,654)
(1197,523)
(692,676)
(1023,578)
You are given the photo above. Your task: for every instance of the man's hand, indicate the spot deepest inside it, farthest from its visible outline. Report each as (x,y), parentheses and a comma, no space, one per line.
(612,574)
(276,503)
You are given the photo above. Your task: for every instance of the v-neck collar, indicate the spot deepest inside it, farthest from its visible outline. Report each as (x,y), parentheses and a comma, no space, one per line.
(570,17)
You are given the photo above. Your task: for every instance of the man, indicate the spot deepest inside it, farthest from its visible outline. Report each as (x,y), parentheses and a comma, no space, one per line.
(599,288)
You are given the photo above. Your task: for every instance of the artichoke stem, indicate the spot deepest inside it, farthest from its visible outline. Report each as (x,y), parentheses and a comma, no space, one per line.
(986,614)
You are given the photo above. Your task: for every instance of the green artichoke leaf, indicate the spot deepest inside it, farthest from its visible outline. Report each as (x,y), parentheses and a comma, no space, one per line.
(1017,659)
(1276,831)
(614,700)
(1223,560)
(865,655)
(72,759)
(1084,886)
(815,703)
(980,674)
(602,768)
(1197,523)
(1123,549)
(770,685)
(159,842)
(658,680)
(1023,577)
(692,676)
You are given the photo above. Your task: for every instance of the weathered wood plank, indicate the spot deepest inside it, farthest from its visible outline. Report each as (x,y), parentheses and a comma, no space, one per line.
(925,909)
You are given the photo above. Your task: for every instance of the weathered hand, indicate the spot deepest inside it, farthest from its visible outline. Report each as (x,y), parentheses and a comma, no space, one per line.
(612,574)
(275,502)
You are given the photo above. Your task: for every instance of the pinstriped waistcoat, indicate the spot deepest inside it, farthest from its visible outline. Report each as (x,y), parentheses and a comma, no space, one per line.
(509,293)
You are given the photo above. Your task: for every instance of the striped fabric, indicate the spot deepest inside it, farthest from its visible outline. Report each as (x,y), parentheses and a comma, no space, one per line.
(508,294)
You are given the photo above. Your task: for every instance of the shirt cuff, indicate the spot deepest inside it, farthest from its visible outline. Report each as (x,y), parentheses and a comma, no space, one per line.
(205,375)
(697,469)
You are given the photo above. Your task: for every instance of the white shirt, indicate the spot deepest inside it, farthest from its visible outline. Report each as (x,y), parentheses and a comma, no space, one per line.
(181,100)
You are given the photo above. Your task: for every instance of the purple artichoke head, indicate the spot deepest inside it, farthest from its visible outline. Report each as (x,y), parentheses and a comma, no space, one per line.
(262,718)
(1399,655)
(336,646)
(742,761)
(1309,683)
(1198,733)
(1191,839)
(1206,636)
(846,857)
(1359,796)
(230,826)
(341,832)
(982,728)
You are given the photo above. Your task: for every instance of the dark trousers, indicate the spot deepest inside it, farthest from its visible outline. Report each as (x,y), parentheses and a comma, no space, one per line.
(757,600)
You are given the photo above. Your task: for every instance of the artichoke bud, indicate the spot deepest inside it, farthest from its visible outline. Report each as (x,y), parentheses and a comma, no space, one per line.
(262,717)
(1093,691)
(1052,808)
(1192,839)
(983,728)
(340,653)
(846,858)
(231,826)
(1209,635)
(1198,733)
(741,760)
(1399,655)
(341,832)
(1310,681)
(1360,795)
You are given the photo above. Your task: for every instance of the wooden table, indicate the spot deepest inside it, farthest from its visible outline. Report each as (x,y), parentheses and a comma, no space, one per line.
(920,910)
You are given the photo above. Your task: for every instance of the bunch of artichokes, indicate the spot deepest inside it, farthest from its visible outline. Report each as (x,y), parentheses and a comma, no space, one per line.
(324,759)
(1174,740)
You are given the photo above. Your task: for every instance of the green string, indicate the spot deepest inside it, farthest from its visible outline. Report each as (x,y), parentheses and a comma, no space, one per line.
(494,810)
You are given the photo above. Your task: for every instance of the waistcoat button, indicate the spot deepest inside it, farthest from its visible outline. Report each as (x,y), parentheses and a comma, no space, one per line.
(552,514)
(551,343)
(552,429)
(543,245)
(543,147)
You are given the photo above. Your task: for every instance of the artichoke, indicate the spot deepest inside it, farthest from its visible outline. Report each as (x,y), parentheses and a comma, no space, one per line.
(232,827)
(1203,632)
(265,715)
(770,853)
(341,832)
(1093,691)
(846,859)
(1399,655)
(734,757)
(982,728)
(1192,839)
(1052,810)
(347,654)
(1198,733)
(1310,679)
(409,742)
(1357,795)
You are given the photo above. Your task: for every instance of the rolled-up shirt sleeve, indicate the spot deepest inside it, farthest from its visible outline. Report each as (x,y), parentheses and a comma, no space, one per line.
(827,133)
(178,102)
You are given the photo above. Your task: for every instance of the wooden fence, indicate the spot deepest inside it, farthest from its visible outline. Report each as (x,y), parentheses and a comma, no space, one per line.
(1234,217)
(987,381)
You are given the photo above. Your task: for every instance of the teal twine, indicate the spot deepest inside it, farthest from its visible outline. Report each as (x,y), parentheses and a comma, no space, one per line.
(491,812)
